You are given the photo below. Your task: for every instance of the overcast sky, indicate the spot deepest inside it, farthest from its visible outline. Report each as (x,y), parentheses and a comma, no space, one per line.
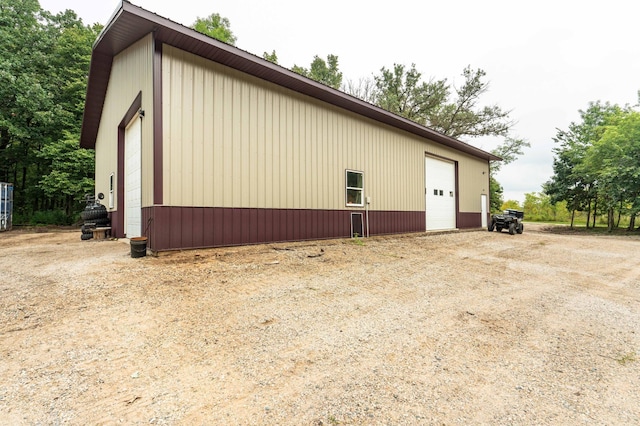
(545,60)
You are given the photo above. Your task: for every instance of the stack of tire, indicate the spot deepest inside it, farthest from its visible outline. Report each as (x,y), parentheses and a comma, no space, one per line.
(93,215)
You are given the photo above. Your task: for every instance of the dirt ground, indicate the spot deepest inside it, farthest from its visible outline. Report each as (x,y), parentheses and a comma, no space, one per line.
(458,328)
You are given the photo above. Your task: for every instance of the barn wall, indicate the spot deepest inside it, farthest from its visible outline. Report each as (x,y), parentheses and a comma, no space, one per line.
(196,227)
(234,141)
(131,76)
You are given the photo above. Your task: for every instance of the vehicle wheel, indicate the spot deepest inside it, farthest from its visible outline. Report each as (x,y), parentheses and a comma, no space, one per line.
(492,225)
(520,229)
(512,228)
(86,236)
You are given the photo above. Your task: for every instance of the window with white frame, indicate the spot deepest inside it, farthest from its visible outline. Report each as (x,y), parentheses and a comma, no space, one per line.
(355,188)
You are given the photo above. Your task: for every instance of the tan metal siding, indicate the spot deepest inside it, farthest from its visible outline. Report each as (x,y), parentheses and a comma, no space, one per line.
(131,74)
(232,140)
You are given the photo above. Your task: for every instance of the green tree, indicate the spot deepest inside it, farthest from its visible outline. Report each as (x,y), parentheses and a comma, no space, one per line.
(72,171)
(511,204)
(271,57)
(430,103)
(613,161)
(539,207)
(27,106)
(217,27)
(495,195)
(403,92)
(325,72)
(44,61)
(574,181)
(463,116)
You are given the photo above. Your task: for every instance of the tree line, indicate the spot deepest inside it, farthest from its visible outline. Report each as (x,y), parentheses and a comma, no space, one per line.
(44,65)
(596,167)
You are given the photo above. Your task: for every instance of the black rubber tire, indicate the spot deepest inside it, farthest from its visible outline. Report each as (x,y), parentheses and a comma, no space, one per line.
(97,213)
(512,228)
(492,225)
(520,229)
(102,221)
(88,228)
(86,236)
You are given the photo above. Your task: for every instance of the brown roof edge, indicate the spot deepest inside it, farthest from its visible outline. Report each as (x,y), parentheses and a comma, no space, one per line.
(129,23)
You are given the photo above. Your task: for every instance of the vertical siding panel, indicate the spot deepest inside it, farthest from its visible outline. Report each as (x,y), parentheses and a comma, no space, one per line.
(199,123)
(261,226)
(276,151)
(186,225)
(323,167)
(243,224)
(186,176)
(167,123)
(219,147)
(306,148)
(208,159)
(268,222)
(315,157)
(198,227)
(246,160)
(296,158)
(227,141)
(236,142)
(228,226)
(376,167)
(274,221)
(175,227)
(268,151)
(288,166)
(305,164)
(310,186)
(285,231)
(283,148)
(334,169)
(208,227)
(176,130)
(315,224)
(258,177)
(297,223)
(218,226)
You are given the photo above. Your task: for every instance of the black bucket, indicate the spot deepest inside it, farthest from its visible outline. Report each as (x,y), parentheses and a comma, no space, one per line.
(138,246)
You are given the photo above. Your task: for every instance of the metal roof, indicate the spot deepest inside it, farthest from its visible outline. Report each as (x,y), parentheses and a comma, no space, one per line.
(130,23)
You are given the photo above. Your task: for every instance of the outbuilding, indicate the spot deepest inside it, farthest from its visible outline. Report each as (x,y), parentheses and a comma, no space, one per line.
(201,144)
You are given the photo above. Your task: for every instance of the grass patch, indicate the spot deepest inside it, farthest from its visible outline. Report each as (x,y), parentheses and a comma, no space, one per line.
(357,240)
(626,358)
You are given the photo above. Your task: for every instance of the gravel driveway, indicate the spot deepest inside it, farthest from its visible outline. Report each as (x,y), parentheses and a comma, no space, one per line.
(458,328)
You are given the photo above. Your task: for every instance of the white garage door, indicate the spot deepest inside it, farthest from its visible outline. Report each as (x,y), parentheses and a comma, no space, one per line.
(133,179)
(440,194)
